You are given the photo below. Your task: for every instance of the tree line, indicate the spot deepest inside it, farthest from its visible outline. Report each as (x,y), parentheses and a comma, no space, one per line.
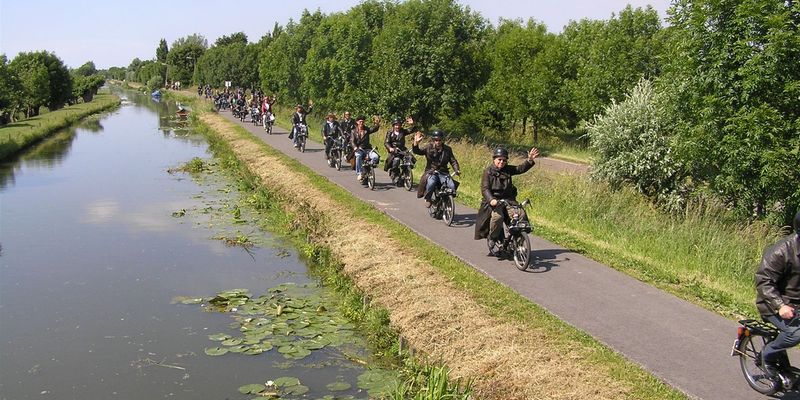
(33,80)
(705,108)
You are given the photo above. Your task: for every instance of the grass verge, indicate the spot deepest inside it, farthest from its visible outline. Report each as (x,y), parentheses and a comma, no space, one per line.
(444,308)
(19,135)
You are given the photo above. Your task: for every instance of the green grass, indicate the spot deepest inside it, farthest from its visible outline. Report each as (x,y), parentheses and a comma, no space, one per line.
(18,135)
(499,301)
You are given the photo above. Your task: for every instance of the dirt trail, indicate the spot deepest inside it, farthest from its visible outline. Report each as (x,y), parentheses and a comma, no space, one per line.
(507,361)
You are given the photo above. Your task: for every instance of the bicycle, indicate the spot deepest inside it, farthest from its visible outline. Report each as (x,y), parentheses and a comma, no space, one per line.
(403,174)
(368,169)
(516,240)
(751,338)
(301,130)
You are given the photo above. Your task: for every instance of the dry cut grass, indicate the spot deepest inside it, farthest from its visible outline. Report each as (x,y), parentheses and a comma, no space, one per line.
(507,360)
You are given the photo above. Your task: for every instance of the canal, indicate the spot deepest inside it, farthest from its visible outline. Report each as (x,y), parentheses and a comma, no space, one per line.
(107,249)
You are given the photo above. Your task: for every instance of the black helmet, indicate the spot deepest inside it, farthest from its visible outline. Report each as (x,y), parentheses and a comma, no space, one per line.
(797,222)
(437,134)
(500,152)
(397,121)
(361,118)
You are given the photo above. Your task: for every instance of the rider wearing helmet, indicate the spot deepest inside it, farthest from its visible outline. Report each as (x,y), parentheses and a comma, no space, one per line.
(360,144)
(778,295)
(496,185)
(299,117)
(437,156)
(396,140)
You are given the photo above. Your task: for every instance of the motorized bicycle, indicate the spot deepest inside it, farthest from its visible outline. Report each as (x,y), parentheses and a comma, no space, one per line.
(751,338)
(268,121)
(338,152)
(443,203)
(255,115)
(515,238)
(402,174)
(368,168)
(301,133)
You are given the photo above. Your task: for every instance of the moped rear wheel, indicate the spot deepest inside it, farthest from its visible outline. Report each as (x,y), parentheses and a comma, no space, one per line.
(371,179)
(750,349)
(338,160)
(522,250)
(303,144)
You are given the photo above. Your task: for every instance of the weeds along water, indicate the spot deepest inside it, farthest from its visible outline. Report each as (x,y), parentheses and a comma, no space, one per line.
(423,381)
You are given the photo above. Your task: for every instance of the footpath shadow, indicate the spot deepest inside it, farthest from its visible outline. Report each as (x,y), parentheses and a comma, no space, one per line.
(464,220)
(789,395)
(545,260)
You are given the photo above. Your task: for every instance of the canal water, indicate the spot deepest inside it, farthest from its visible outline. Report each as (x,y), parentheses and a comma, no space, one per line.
(100,235)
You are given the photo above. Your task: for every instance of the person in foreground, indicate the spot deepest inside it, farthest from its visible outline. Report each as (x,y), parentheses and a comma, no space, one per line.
(496,185)
(778,295)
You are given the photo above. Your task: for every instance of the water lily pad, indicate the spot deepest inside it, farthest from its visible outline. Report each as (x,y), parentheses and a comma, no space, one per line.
(286,381)
(215,351)
(338,386)
(254,388)
(232,341)
(219,337)
(296,390)
(377,382)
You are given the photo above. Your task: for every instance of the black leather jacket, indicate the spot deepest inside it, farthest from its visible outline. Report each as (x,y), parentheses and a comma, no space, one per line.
(396,140)
(331,131)
(362,142)
(436,160)
(778,276)
(496,182)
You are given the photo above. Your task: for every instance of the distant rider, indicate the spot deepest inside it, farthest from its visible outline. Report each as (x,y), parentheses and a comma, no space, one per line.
(778,296)
(437,156)
(299,117)
(496,185)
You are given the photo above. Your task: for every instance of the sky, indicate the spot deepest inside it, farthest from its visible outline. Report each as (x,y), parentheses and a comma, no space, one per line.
(112,33)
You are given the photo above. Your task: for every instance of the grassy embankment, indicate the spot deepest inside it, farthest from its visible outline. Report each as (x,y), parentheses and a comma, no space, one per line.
(703,256)
(21,134)
(444,308)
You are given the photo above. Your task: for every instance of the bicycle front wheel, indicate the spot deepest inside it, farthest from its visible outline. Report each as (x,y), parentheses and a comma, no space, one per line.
(448,210)
(522,250)
(408,179)
(750,349)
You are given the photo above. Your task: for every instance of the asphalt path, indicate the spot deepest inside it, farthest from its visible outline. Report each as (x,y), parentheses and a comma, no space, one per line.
(686,346)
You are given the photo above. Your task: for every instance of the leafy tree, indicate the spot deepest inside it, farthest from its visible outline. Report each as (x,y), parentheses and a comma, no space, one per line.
(162,51)
(235,62)
(183,56)
(633,141)
(85,87)
(117,73)
(609,57)
(733,74)
(235,38)
(427,60)
(10,92)
(45,80)
(87,69)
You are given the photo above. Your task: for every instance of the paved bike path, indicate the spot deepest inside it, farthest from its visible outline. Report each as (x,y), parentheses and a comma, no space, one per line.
(686,346)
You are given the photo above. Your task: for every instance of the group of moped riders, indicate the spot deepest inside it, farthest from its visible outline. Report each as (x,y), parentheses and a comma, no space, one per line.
(496,182)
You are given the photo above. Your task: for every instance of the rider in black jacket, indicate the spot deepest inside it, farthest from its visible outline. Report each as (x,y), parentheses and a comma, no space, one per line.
(496,185)
(396,140)
(778,295)
(360,144)
(299,117)
(437,156)
(330,131)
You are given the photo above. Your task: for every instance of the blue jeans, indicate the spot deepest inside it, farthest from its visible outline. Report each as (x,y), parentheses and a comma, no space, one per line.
(434,180)
(373,156)
(788,338)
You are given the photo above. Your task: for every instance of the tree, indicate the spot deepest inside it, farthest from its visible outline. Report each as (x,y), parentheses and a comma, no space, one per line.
(733,74)
(86,69)
(183,56)
(428,60)
(45,80)
(234,38)
(162,51)
(10,92)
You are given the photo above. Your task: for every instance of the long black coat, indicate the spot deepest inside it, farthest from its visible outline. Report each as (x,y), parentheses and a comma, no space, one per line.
(496,184)
(778,276)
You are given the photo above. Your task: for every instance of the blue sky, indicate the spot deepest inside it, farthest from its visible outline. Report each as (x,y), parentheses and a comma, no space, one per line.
(112,33)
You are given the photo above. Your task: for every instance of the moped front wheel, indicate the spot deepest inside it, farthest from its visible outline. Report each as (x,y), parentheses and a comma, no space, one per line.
(750,349)
(338,161)
(371,179)
(522,250)
(448,210)
(408,179)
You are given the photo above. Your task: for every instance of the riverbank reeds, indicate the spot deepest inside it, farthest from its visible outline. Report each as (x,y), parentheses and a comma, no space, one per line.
(442,307)
(18,135)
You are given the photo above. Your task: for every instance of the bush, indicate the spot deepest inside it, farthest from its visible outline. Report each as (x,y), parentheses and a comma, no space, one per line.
(154,83)
(633,144)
